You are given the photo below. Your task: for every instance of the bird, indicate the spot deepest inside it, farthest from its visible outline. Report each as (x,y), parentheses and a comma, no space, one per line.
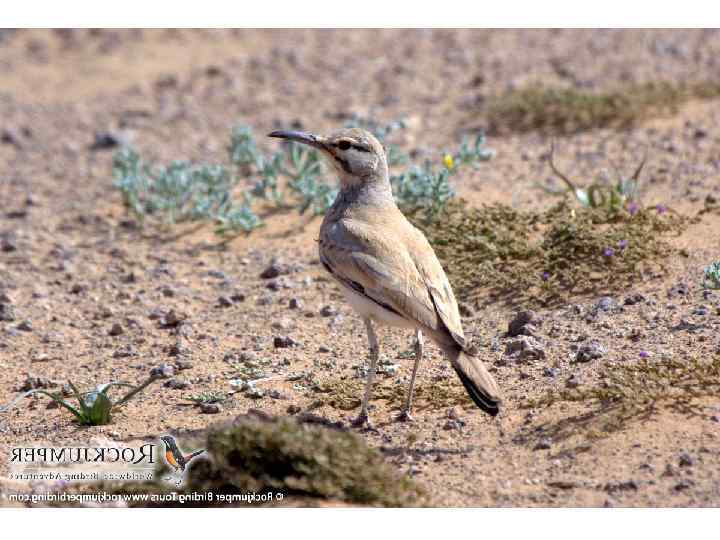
(386,267)
(174,457)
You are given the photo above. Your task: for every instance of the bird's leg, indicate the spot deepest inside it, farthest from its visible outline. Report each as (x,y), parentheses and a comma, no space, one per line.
(362,418)
(405,414)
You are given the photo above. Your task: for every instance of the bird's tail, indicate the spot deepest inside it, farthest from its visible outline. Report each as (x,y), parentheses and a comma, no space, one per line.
(193,454)
(476,379)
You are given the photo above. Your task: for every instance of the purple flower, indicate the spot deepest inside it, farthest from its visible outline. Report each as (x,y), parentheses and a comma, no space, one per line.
(644,354)
(661,208)
(622,244)
(609,252)
(545,276)
(633,208)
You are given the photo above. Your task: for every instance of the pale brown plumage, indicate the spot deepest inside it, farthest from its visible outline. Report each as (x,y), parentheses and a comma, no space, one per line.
(386,266)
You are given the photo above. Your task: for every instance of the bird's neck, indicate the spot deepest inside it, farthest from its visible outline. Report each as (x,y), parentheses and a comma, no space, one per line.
(376,191)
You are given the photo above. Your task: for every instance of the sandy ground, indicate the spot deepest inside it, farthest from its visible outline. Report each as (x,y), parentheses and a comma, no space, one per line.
(72,270)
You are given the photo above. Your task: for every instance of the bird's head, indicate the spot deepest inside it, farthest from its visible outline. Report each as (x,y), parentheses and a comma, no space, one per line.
(356,155)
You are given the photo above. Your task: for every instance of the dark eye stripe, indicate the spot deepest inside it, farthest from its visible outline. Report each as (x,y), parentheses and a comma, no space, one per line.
(346,145)
(361,148)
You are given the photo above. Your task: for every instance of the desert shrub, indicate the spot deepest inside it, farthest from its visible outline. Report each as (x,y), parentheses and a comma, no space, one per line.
(564,111)
(629,392)
(544,257)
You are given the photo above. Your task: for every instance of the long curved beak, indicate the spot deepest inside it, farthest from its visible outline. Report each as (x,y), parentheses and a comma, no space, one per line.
(302,137)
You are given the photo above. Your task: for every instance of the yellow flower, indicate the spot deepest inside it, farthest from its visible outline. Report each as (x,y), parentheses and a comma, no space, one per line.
(449,162)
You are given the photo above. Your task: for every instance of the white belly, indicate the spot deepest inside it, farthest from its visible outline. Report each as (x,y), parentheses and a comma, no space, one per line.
(368,309)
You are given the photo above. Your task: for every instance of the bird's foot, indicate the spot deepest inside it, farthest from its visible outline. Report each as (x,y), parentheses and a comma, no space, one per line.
(404,416)
(362,421)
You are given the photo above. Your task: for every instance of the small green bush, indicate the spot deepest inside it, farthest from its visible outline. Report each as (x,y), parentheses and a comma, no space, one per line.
(712,276)
(291,178)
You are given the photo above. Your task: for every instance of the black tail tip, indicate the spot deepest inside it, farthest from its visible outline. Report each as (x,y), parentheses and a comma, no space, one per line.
(483,401)
(492,411)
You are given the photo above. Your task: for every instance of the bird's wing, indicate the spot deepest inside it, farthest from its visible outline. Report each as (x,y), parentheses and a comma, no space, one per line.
(395,267)
(438,284)
(170,458)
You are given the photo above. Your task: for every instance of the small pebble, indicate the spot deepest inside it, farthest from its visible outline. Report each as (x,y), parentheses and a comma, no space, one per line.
(283,342)
(115,330)
(163,371)
(590,351)
(210,408)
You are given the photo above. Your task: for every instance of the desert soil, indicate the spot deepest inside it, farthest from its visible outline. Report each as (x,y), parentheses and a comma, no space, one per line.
(89,290)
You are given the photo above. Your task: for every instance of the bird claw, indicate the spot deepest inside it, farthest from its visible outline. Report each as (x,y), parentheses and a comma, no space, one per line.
(362,421)
(404,417)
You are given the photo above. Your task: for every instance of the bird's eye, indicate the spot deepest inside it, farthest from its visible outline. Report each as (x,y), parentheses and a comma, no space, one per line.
(344,145)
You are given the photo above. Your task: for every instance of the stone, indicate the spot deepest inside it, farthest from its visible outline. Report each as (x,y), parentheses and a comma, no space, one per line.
(573,381)
(283,342)
(525,348)
(182,365)
(7,313)
(106,140)
(210,408)
(276,269)
(163,371)
(177,384)
(116,329)
(25,326)
(8,242)
(543,444)
(633,299)
(551,372)
(34,382)
(521,324)
(590,351)
(686,460)
(606,303)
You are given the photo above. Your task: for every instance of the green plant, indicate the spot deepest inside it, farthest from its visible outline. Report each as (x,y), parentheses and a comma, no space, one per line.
(181,192)
(94,407)
(712,276)
(469,155)
(208,397)
(422,189)
(612,198)
(418,188)
(243,150)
